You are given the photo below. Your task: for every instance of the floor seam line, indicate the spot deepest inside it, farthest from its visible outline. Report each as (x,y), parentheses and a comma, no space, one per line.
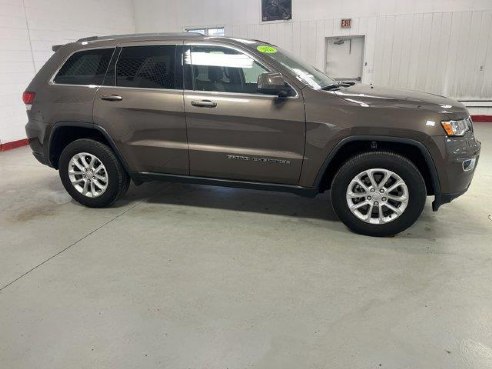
(67,248)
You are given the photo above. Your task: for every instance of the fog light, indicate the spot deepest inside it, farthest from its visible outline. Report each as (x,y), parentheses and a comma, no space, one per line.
(469,164)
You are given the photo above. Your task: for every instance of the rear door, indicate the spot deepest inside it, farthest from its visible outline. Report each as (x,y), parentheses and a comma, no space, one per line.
(141,107)
(234,132)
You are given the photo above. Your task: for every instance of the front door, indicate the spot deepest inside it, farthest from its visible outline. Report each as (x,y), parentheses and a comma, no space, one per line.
(234,132)
(141,106)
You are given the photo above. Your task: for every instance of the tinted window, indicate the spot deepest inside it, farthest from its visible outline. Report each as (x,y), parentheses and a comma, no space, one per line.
(85,67)
(147,67)
(216,68)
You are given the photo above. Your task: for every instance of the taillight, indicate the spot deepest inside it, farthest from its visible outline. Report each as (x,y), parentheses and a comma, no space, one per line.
(28,97)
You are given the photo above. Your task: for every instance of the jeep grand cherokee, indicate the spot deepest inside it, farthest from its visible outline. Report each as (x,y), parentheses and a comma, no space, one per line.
(244,113)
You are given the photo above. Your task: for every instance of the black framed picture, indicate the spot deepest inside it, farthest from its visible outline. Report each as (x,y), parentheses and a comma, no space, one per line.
(276,10)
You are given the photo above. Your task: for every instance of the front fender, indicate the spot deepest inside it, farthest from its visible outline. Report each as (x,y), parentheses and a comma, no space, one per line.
(423,149)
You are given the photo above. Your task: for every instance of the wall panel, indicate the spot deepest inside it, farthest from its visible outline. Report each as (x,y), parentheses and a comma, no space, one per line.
(29,28)
(436,46)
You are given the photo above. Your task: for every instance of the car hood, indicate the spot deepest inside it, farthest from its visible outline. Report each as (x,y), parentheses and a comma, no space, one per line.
(372,96)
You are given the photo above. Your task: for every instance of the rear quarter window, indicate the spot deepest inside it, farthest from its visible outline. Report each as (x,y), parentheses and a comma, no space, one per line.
(85,68)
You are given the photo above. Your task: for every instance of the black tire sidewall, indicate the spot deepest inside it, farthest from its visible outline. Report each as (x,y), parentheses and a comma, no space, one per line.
(397,164)
(113,168)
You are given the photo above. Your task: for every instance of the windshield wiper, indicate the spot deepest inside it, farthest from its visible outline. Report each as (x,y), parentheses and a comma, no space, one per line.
(340,84)
(331,87)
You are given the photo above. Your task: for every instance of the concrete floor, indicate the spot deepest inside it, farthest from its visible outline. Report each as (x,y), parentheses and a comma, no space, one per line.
(181,276)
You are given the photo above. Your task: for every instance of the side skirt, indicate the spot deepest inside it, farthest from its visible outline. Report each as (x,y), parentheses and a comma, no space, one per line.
(147,177)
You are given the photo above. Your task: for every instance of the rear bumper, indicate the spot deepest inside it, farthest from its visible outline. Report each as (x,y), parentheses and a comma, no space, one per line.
(36,133)
(40,157)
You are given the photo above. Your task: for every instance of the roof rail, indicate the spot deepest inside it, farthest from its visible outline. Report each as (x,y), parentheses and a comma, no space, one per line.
(139,35)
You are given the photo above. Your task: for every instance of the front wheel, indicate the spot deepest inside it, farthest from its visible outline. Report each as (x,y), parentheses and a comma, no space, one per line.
(92,174)
(378,193)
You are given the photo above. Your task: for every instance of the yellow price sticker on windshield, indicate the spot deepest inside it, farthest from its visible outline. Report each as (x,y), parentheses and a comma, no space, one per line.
(267,49)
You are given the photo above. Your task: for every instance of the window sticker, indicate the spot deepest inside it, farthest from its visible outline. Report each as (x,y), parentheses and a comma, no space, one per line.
(266,49)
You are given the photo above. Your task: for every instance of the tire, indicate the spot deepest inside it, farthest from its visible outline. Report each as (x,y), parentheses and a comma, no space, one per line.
(109,178)
(384,211)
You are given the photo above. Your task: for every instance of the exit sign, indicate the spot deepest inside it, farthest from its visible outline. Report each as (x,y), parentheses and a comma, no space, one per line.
(346,23)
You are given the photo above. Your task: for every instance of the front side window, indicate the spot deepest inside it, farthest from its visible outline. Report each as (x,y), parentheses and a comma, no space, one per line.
(147,67)
(216,68)
(85,67)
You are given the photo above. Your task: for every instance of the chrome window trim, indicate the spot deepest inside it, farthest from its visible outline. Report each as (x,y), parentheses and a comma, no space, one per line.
(75,85)
(249,54)
(236,94)
(179,90)
(144,88)
(52,79)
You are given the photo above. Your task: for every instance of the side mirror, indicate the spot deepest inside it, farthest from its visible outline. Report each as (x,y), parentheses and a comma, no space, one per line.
(273,84)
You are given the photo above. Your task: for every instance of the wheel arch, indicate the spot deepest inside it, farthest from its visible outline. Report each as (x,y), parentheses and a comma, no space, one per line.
(413,150)
(63,133)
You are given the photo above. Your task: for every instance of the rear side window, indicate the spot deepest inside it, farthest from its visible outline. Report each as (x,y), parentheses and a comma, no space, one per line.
(85,67)
(147,67)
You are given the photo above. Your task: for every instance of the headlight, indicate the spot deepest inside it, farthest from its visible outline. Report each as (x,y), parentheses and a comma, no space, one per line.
(457,127)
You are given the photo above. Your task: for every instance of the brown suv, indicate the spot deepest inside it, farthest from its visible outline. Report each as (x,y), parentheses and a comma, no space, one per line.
(231,112)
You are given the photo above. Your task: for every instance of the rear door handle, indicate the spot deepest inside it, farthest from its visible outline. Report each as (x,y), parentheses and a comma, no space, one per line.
(204,103)
(112,98)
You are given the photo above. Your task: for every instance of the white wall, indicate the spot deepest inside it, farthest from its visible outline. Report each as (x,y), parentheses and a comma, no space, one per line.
(29,28)
(432,45)
(437,46)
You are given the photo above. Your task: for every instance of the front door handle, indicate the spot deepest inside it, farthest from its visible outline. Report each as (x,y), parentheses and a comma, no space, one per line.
(112,98)
(204,103)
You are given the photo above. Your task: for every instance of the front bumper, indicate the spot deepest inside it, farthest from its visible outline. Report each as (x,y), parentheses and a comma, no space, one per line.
(445,198)
(457,167)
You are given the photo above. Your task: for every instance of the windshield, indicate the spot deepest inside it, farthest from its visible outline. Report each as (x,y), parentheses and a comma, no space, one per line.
(304,72)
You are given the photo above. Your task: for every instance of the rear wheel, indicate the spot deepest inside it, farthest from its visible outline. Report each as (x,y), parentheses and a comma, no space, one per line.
(92,174)
(378,193)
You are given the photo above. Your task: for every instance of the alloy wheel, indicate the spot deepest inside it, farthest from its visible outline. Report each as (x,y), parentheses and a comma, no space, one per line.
(88,174)
(377,196)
